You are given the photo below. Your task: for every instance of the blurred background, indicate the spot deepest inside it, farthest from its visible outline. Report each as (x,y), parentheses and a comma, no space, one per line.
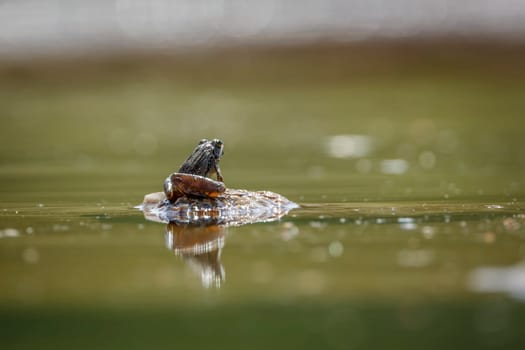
(397,125)
(55,27)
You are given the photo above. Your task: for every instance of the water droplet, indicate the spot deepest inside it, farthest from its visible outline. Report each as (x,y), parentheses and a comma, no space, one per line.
(405,220)
(9,232)
(394,166)
(349,146)
(499,279)
(511,224)
(428,232)
(408,226)
(335,249)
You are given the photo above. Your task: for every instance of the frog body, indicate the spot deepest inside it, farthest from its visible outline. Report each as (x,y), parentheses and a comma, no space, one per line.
(204,160)
(193,178)
(192,196)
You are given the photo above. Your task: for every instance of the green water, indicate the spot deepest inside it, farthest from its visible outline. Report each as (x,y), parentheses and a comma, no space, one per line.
(411,231)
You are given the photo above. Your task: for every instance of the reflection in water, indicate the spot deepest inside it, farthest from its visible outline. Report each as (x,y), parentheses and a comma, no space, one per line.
(197,226)
(337,231)
(509,280)
(200,247)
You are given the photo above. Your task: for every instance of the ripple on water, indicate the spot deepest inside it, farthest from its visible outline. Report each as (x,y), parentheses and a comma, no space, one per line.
(409,214)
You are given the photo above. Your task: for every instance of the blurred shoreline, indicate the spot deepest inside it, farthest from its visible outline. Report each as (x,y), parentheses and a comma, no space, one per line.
(293,61)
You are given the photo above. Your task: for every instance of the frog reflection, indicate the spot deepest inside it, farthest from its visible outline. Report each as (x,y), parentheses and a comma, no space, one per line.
(200,247)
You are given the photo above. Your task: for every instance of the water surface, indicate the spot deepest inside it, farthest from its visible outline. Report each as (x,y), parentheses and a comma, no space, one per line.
(411,230)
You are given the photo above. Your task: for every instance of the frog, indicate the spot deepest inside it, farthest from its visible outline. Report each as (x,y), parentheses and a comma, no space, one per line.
(194,177)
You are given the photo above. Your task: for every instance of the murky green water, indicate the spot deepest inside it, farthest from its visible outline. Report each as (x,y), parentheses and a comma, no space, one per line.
(411,231)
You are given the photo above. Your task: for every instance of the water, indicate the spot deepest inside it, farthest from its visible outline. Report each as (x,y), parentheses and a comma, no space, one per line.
(411,230)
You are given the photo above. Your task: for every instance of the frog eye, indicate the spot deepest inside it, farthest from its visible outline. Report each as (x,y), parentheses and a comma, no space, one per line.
(202,141)
(218,149)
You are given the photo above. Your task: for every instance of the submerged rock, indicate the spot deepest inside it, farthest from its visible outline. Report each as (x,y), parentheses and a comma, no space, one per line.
(233,207)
